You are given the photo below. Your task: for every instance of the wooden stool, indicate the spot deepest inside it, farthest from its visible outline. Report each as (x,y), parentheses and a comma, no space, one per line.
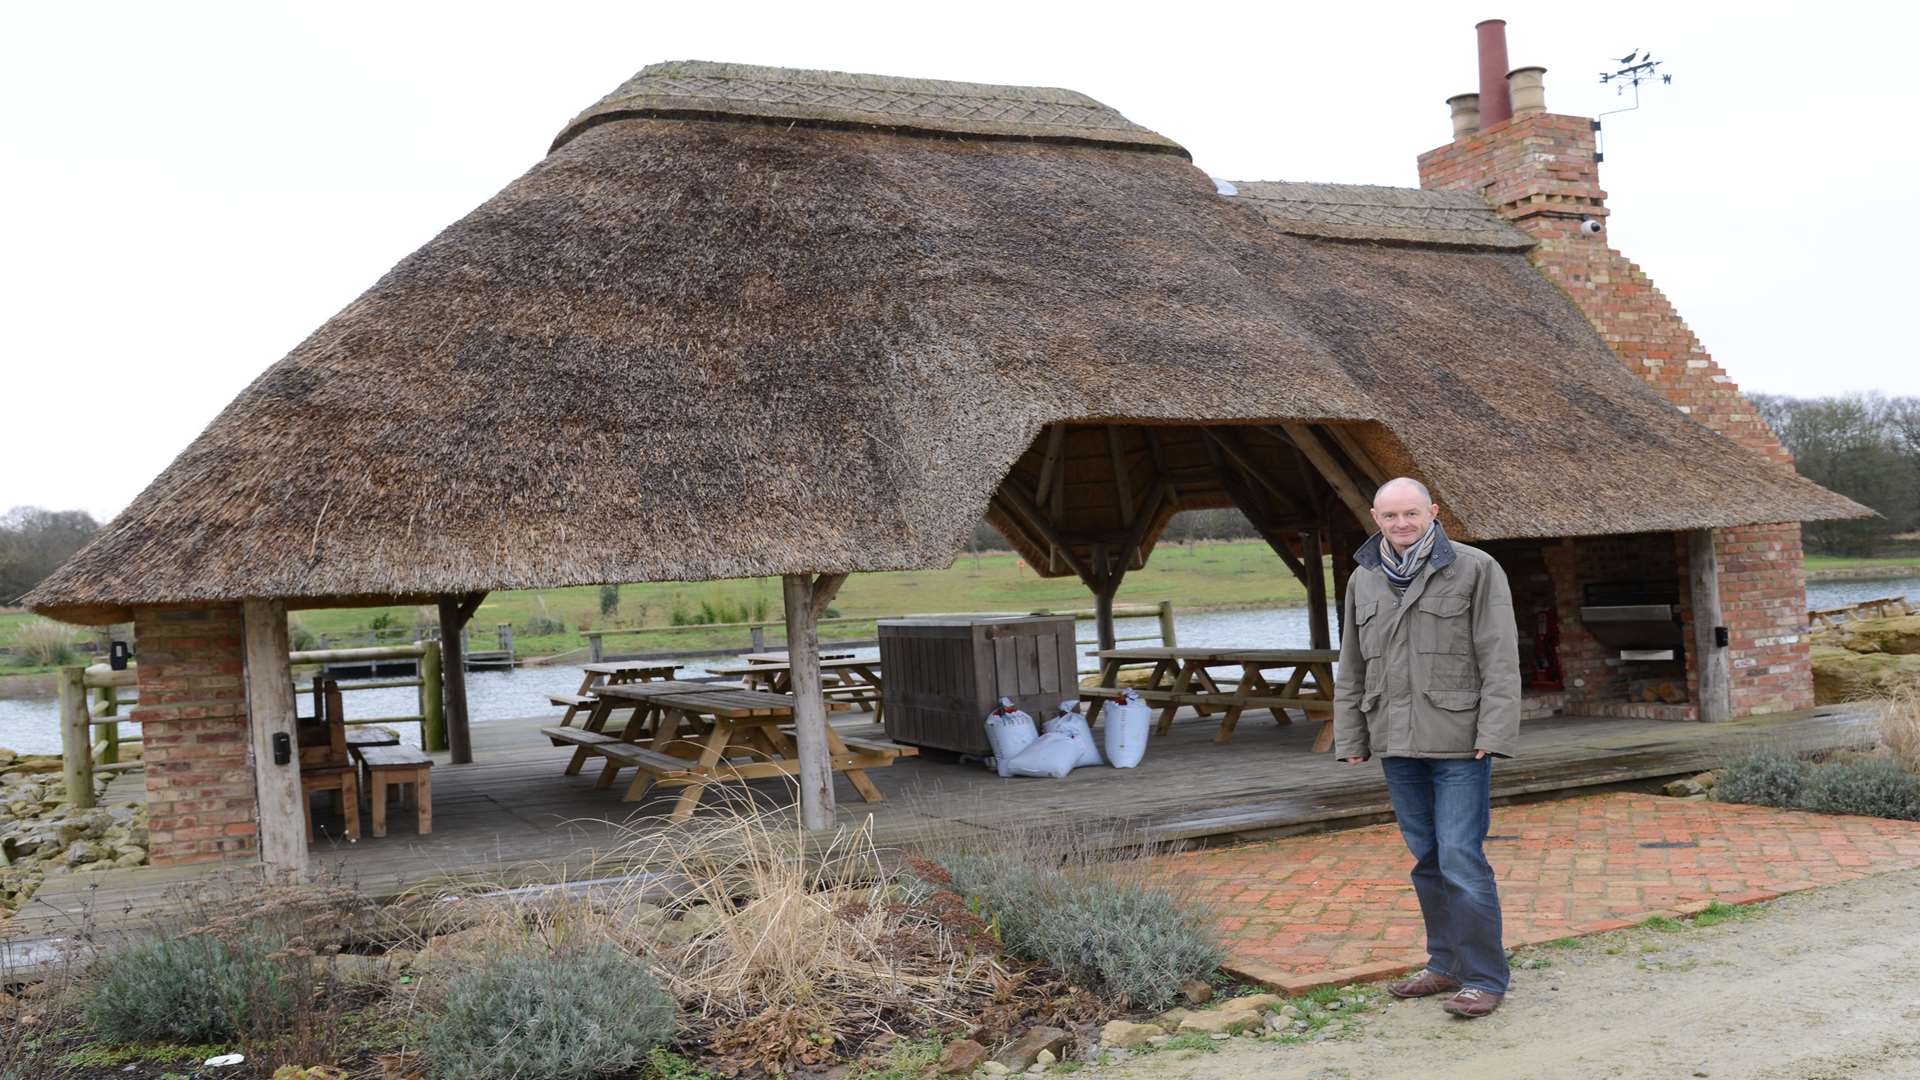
(398,765)
(342,781)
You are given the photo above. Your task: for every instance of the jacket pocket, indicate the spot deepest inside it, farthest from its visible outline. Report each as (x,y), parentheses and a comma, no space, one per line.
(1443,624)
(1368,626)
(1449,722)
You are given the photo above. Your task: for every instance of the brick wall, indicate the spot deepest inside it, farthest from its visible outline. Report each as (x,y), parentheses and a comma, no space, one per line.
(193,716)
(1539,171)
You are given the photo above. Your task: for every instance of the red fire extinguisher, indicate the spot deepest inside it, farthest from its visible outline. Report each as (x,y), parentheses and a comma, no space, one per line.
(1546,651)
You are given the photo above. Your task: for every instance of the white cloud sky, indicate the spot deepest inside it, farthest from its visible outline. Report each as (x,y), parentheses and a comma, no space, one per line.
(191,188)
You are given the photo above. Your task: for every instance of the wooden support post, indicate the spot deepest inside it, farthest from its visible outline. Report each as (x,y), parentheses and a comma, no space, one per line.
(595,649)
(504,633)
(1167,637)
(1710,663)
(757,637)
(1316,568)
(1344,543)
(282,806)
(454,613)
(433,717)
(76,737)
(806,597)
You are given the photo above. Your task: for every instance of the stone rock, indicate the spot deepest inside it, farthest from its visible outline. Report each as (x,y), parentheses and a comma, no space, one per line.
(448,955)
(1160,1040)
(81,853)
(961,1056)
(1706,780)
(1219,1036)
(8,756)
(1045,1057)
(1220,1021)
(692,923)
(1170,1020)
(1251,1003)
(1898,637)
(1680,789)
(1125,1035)
(1026,1049)
(1196,991)
(994,1068)
(1276,1022)
(1840,675)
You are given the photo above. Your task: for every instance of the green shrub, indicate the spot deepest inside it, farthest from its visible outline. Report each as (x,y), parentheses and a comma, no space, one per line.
(1125,939)
(609,599)
(1763,778)
(570,1014)
(1874,787)
(192,989)
(542,626)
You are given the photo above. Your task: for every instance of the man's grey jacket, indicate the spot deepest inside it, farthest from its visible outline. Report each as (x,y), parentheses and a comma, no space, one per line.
(1433,674)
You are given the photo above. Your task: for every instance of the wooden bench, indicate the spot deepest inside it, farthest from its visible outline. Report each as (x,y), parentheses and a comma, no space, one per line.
(1221,700)
(403,765)
(879,747)
(583,741)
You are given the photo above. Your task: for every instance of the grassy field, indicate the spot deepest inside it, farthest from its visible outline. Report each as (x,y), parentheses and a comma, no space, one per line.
(1204,575)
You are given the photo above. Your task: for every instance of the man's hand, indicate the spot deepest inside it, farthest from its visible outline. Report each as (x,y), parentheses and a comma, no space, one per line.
(1478,754)
(1353,761)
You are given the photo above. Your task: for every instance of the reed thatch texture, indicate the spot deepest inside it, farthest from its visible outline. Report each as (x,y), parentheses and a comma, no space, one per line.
(700,345)
(1371,212)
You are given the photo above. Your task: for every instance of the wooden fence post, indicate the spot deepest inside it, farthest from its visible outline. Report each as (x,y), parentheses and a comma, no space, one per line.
(594,649)
(107,703)
(758,635)
(1166,624)
(76,737)
(433,717)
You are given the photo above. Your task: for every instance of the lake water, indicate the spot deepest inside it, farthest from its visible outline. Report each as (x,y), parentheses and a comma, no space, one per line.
(30,724)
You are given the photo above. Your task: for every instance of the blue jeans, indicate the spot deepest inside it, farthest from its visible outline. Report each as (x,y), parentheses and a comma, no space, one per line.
(1444,813)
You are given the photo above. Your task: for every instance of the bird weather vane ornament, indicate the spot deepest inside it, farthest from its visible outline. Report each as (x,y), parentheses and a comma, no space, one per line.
(1635,68)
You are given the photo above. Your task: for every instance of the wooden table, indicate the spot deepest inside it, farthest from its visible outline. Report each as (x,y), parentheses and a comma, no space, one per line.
(781,658)
(693,738)
(845,681)
(1181,676)
(608,673)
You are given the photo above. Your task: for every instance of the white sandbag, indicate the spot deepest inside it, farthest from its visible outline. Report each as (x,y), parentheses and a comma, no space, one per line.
(1071,719)
(1125,727)
(1055,754)
(1009,731)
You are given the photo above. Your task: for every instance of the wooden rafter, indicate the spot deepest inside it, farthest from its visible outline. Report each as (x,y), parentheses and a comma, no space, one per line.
(1121,486)
(1022,506)
(1050,461)
(1246,466)
(1329,467)
(1343,437)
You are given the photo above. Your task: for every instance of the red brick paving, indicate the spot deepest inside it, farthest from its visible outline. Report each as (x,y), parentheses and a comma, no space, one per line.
(1338,907)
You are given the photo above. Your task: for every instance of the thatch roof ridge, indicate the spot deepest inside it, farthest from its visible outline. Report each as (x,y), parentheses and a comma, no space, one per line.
(1381,213)
(980,110)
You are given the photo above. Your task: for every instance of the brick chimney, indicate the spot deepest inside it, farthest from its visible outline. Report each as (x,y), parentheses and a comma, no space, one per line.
(1540,171)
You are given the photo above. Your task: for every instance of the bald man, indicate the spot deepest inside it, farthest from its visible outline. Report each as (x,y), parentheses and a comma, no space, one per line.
(1429,683)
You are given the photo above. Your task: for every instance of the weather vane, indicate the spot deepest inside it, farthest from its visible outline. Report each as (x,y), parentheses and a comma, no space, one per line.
(1635,68)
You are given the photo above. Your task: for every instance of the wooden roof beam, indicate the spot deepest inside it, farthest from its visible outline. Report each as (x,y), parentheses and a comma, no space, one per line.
(1330,468)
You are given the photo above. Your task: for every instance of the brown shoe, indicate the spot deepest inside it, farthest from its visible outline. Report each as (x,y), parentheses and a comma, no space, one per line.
(1425,984)
(1472,1004)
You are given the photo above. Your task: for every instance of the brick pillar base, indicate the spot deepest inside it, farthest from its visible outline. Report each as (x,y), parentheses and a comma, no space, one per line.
(193,716)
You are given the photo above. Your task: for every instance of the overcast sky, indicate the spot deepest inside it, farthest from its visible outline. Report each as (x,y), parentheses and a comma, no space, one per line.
(191,188)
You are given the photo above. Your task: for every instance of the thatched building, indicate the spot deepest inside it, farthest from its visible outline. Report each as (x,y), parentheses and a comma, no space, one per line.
(750,321)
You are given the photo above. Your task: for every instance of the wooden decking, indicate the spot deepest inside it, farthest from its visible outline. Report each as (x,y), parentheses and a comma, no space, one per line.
(512,817)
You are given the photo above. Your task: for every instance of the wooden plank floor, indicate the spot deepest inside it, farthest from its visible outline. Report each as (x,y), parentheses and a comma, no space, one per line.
(511,816)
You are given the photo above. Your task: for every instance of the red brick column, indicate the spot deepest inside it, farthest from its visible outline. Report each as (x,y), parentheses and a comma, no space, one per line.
(193,716)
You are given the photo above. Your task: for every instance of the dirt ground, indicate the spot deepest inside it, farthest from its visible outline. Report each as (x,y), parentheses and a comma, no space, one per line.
(1819,985)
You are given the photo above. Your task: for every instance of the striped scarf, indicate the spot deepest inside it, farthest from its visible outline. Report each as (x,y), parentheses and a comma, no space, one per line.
(1402,569)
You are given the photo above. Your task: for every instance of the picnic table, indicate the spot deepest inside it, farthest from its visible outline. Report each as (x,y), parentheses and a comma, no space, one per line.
(690,735)
(608,673)
(1276,679)
(845,681)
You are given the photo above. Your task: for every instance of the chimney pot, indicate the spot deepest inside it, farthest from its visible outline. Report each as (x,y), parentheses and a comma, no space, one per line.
(1528,89)
(1495,106)
(1466,114)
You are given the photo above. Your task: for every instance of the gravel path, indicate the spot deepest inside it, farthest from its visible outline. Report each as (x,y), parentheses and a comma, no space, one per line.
(1818,985)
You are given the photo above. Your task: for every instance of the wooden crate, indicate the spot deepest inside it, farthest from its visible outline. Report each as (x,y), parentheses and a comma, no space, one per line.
(943,675)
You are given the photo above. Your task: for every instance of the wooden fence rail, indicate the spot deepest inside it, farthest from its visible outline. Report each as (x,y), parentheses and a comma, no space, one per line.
(83,755)
(757,642)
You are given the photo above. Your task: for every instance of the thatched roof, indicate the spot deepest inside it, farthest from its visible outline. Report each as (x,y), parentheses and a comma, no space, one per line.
(693,342)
